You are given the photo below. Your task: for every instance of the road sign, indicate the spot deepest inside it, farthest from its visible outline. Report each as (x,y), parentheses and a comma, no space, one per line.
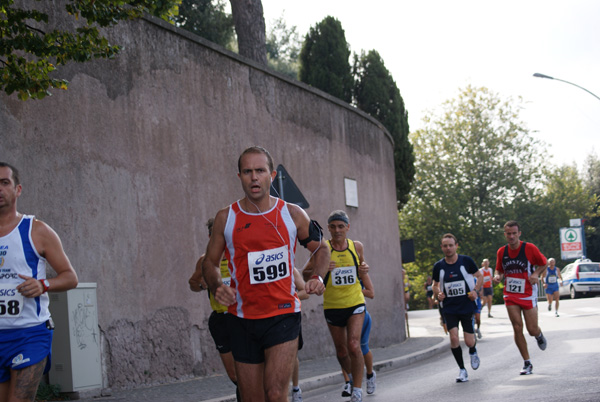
(571,242)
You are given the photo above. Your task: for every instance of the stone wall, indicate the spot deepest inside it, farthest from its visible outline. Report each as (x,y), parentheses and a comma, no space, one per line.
(130,162)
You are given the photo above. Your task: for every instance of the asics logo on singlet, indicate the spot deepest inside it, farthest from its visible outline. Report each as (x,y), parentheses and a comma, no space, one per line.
(344,271)
(8,292)
(243,227)
(269,258)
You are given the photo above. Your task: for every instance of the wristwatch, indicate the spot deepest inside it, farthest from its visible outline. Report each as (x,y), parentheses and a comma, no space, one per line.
(45,284)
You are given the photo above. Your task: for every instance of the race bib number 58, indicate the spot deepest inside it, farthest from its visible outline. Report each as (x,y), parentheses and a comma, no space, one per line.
(269,265)
(11,302)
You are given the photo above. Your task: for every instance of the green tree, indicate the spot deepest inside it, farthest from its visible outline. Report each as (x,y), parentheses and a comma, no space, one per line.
(283,48)
(208,19)
(324,59)
(563,196)
(592,223)
(473,160)
(31,49)
(376,93)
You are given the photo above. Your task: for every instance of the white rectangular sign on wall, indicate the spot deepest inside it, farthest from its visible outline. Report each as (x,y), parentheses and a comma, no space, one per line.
(351,192)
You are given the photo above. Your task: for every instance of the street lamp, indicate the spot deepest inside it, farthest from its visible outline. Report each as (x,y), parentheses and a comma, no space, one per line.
(558,79)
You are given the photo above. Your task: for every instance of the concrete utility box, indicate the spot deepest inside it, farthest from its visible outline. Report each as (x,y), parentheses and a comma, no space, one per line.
(76,344)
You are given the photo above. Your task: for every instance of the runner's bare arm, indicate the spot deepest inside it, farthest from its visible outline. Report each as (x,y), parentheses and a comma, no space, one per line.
(436,291)
(48,245)
(316,245)
(197,282)
(212,260)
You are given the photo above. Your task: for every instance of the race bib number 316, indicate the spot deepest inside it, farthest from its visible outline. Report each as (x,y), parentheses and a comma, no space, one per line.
(343,276)
(11,302)
(269,265)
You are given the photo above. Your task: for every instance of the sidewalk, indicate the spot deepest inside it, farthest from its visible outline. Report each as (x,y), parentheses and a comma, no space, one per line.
(427,339)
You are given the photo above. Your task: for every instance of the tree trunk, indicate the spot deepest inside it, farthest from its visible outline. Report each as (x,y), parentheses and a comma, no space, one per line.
(250,28)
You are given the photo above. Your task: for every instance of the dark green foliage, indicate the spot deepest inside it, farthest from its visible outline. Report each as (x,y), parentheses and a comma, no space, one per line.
(49,392)
(30,50)
(324,59)
(207,18)
(592,223)
(377,94)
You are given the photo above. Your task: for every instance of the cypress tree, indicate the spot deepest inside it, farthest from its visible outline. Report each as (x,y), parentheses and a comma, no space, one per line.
(324,59)
(377,94)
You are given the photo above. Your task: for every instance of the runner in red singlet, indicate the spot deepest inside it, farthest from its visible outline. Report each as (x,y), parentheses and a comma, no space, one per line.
(520,264)
(258,235)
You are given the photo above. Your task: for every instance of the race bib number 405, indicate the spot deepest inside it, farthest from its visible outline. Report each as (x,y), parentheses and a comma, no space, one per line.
(11,302)
(515,285)
(269,265)
(454,289)
(343,276)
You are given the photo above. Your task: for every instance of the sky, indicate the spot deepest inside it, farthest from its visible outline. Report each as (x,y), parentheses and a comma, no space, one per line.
(433,48)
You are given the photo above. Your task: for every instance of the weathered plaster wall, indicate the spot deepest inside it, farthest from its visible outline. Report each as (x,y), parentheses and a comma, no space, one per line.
(130,162)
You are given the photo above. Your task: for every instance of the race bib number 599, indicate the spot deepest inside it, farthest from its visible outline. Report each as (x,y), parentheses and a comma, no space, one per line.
(11,302)
(269,265)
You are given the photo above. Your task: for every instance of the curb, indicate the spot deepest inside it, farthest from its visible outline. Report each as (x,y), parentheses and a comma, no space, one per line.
(309,384)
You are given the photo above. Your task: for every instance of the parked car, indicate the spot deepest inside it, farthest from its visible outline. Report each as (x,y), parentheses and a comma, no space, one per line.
(581,277)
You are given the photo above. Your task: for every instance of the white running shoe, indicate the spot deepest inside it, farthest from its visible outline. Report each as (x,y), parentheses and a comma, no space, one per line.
(356,395)
(462,376)
(527,369)
(474,361)
(371,384)
(347,389)
(297,395)
(478,333)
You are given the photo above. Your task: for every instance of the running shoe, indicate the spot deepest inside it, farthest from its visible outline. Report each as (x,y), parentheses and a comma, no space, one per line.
(356,395)
(347,389)
(462,376)
(527,369)
(371,384)
(557,314)
(297,395)
(541,341)
(474,361)
(549,307)
(478,333)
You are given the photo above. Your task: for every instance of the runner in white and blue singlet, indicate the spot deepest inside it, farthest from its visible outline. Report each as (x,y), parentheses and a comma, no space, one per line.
(26,245)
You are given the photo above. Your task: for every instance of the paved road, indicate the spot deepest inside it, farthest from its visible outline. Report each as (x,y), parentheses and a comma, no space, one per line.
(566,371)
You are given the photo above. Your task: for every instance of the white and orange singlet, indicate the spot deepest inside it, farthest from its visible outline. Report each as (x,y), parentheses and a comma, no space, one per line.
(260,248)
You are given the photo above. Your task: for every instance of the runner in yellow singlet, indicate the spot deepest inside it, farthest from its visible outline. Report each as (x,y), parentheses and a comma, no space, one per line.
(343,301)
